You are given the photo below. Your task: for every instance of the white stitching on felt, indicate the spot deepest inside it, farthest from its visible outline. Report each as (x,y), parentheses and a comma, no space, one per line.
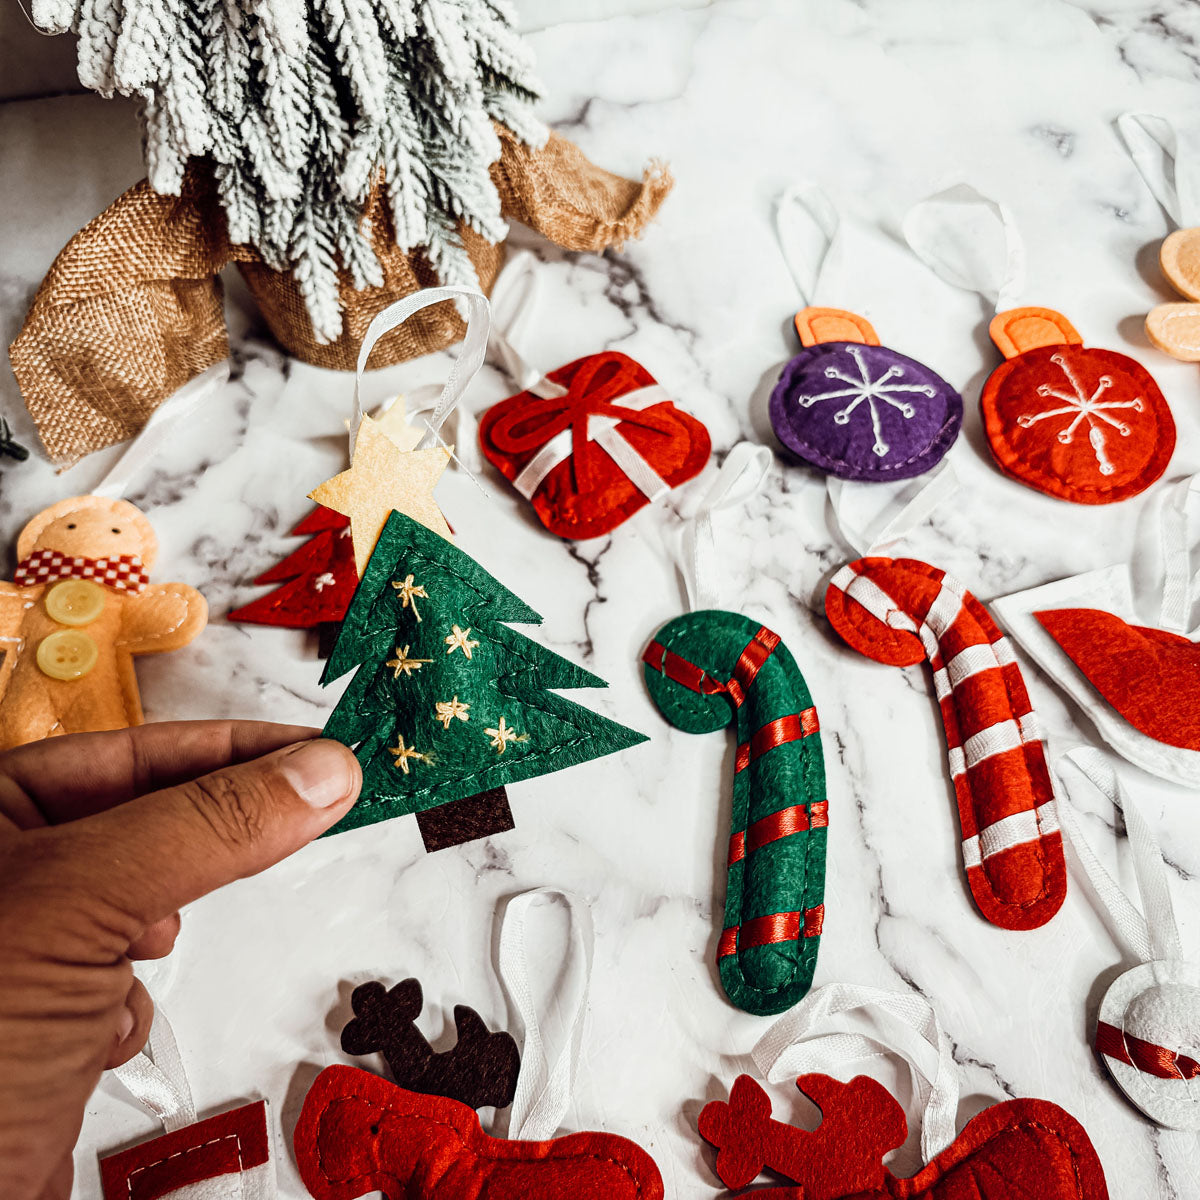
(237,1137)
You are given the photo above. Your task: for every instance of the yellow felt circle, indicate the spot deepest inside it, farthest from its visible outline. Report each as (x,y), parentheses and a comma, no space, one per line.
(75,602)
(68,654)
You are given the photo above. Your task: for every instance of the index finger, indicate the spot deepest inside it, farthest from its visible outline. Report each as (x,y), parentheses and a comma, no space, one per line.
(84,773)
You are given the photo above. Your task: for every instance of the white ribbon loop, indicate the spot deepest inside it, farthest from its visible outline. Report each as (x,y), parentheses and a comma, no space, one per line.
(464,368)
(793,1046)
(514,299)
(740,477)
(156,1078)
(899,518)
(1153,936)
(544,1092)
(1178,536)
(806,223)
(1153,144)
(971,241)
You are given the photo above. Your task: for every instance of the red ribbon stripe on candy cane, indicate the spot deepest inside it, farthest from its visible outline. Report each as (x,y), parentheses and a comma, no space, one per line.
(901,611)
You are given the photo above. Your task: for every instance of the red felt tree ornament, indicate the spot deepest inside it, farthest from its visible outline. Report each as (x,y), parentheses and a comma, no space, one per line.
(317,579)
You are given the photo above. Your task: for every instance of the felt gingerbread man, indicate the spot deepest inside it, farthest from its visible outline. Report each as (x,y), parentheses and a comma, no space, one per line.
(77,611)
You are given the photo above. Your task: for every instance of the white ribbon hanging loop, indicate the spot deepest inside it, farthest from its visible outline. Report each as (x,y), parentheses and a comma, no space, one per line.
(514,300)
(543,1091)
(464,368)
(1178,536)
(806,223)
(971,241)
(1153,144)
(794,1046)
(899,518)
(1151,934)
(156,1078)
(740,477)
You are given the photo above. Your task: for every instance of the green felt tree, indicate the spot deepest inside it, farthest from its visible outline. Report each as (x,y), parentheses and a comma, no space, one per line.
(448,701)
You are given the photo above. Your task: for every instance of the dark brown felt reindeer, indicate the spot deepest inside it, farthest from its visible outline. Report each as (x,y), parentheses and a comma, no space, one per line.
(480,1071)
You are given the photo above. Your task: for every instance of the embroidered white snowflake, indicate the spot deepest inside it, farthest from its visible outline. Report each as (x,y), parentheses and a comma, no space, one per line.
(1082,407)
(869,391)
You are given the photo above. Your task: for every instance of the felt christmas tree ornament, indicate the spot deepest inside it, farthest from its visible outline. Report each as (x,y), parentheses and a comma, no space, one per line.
(1135,679)
(1081,424)
(902,612)
(845,404)
(448,701)
(1169,172)
(589,444)
(78,610)
(1149,1023)
(710,669)
(230,1156)
(480,1071)
(1011,1151)
(358,1133)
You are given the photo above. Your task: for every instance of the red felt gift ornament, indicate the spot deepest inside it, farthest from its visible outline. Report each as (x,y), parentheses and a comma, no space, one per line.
(1078,423)
(1014,1150)
(609,443)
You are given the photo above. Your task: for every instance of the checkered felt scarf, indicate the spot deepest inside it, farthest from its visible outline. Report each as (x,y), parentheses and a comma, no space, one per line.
(48,566)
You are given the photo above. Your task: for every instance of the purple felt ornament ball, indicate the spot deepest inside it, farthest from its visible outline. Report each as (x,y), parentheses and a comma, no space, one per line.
(864,412)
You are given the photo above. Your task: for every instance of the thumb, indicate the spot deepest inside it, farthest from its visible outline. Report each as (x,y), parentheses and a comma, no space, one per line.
(152,855)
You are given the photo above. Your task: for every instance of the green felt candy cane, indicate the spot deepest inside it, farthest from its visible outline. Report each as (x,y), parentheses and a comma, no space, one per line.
(707,670)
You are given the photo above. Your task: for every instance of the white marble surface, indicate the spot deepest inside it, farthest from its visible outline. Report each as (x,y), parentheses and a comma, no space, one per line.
(883,101)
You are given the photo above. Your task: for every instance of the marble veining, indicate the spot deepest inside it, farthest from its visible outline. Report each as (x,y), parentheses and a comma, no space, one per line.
(884,101)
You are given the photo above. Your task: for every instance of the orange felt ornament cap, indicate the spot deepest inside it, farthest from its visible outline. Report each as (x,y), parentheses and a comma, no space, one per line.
(1074,422)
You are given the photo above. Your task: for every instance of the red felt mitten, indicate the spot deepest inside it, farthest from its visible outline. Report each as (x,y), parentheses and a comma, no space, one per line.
(589,458)
(358,1133)
(1011,1151)
(318,578)
(226,1156)
(901,611)
(1077,423)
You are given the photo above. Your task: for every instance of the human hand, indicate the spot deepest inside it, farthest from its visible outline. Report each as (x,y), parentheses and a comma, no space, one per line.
(103,838)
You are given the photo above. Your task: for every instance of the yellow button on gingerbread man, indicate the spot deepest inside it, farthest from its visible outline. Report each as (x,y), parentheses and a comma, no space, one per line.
(77,611)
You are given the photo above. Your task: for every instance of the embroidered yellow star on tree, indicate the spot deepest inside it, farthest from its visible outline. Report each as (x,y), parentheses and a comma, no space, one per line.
(460,639)
(409,591)
(502,735)
(448,710)
(403,753)
(402,662)
(382,477)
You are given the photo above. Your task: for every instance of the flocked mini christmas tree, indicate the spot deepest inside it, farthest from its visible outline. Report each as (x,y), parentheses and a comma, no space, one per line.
(448,700)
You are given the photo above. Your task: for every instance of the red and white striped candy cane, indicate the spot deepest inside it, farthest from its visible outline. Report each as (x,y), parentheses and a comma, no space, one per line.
(901,611)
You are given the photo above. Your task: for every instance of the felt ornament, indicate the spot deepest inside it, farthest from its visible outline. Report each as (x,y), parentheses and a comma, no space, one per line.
(1136,679)
(79,609)
(448,701)
(229,1156)
(1169,172)
(358,1133)
(480,1071)
(1013,1150)
(1081,424)
(902,612)
(1149,1022)
(9,446)
(845,404)
(590,444)
(710,669)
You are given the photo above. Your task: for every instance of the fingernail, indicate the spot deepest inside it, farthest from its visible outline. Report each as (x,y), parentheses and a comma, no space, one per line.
(125,1023)
(323,772)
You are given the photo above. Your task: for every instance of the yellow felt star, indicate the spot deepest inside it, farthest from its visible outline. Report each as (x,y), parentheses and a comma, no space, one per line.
(402,662)
(460,639)
(394,422)
(403,753)
(382,477)
(447,710)
(409,591)
(502,735)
